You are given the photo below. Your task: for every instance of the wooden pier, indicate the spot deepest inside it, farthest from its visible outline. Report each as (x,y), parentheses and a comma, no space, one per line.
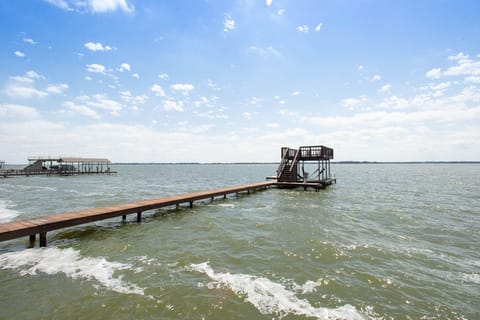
(42,225)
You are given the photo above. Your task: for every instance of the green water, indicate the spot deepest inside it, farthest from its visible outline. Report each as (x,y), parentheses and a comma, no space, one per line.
(385,242)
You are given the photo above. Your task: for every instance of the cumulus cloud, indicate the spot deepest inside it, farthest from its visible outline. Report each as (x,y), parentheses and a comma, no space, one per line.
(57,89)
(385,88)
(158,90)
(124,67)
(136,76)
(170,104)
(228,23)
(304,28)
(434,73)
(23,86)
(97,46)
(29,40)
(19,54)
(185,88)
(268,3)
(318,27)
(103,102)
(96,68)
(81,110)
(93,6)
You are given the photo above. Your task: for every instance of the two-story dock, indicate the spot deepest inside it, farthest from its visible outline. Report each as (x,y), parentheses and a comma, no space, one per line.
(292,170)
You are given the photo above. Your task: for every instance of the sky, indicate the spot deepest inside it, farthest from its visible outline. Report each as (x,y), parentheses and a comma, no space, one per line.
(234,81)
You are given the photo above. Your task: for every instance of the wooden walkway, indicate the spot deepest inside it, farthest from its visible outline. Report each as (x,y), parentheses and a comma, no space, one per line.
(42,225)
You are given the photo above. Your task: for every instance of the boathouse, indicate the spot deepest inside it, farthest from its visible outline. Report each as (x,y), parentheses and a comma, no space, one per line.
(67,165)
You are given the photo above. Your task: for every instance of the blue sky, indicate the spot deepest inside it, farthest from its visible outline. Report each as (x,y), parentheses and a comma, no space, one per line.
(231,81)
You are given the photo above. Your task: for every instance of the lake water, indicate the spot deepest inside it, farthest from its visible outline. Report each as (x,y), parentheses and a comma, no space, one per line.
(386,242)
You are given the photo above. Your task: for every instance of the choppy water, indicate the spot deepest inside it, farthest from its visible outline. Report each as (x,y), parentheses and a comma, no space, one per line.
(385,242)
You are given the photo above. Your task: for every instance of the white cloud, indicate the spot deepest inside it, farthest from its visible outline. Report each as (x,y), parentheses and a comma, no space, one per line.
(32,74)
(21,91)
(103,102)
(82,110)
(19,54)
(394,102)
(23,86)
(318,27)
(385,88)
(135,100)
(57,89)
(228,23)
(16,111)
(268,3)
(62,4)
(203,101)
(247,115)
(459,57)
(163,76)
(93,6)
(136,75)
(158,90)
(170,104)
(304,28)
(96,68)
(97,46)
(110,5)
(264,52)
(88,78)
(434,73)
(29,40)
(360,68)
(296,93)
(352,103)
(124,67)
(281,12)
(376,77)
(185,88)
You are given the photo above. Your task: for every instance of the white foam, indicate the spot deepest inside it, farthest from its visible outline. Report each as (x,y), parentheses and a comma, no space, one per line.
(7,214)
(270,297)
(69,262)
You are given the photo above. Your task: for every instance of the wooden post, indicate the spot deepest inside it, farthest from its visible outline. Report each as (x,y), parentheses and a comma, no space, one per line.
(139,216)
(43,239)
(124,217)
(191,204)
(32,240)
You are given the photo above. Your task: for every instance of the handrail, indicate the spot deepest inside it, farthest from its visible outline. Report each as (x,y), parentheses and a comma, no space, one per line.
(295,159)
(283,162)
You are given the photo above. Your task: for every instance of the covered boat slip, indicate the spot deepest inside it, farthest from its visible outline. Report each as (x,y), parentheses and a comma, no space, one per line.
(62,166)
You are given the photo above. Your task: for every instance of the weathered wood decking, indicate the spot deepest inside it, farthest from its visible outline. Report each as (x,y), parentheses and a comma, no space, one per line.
(42,225)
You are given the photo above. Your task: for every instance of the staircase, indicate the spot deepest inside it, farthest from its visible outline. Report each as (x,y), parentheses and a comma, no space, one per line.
(287,170)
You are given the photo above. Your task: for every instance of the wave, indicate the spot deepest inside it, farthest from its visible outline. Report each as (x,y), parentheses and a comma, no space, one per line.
(7,214)
(273,298)
(69,262)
